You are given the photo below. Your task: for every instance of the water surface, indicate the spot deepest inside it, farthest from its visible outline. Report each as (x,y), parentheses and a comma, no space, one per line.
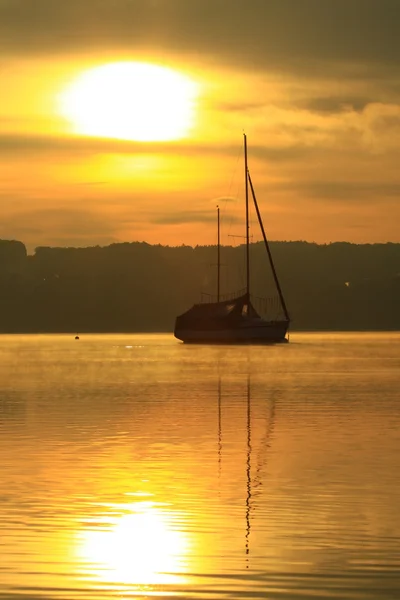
(135,466)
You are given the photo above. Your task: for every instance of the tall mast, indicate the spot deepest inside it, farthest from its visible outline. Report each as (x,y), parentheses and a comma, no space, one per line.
(247,221)
(218,257)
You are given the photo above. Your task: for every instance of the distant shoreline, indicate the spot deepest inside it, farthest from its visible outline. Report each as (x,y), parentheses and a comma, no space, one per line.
(292,331)
(141,288)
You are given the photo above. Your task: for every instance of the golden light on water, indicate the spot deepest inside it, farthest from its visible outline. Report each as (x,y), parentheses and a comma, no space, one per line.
(131,101)
(141,547)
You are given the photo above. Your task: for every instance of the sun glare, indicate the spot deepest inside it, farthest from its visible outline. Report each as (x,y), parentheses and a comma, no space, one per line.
(141,547)
(131,101)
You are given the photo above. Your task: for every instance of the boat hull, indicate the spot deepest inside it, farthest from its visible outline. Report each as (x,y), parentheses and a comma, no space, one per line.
(266,332)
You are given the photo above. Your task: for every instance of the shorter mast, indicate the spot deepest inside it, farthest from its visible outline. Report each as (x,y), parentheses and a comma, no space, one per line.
(278,287)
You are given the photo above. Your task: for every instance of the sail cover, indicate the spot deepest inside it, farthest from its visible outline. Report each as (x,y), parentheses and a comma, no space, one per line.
(217,315)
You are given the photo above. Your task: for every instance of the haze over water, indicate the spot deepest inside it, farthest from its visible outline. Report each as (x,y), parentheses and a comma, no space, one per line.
(135,466)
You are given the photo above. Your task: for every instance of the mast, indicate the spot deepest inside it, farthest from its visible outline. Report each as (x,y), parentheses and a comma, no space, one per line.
(218,257)
(271,262)
(246,172)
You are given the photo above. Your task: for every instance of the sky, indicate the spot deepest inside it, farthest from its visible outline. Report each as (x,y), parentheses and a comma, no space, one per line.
(315,84)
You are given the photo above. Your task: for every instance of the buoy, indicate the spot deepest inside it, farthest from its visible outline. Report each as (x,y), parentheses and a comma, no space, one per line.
(77,337)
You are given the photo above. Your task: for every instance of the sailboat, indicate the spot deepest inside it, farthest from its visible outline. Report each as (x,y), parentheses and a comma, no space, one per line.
(235,320)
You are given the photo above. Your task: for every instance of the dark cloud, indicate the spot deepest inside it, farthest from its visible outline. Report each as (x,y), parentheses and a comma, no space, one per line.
(344,190)
(74,226)
(294,34)
(188,217)
(389,122)
(238,107)
(18,144)
(224,199)
(335,104)
(59,226)
(73,145)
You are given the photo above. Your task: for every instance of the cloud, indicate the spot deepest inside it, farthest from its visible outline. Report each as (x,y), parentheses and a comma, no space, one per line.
(299,36)
(189,217)
(349,191)
(20,144)
(59,227)
(89,145)
(335,104)
(373,129)
(92,145)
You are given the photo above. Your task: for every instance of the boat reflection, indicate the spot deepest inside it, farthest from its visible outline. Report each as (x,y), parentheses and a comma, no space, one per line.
(143,546)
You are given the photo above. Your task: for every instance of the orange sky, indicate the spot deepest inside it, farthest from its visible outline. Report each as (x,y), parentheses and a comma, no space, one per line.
(316,88)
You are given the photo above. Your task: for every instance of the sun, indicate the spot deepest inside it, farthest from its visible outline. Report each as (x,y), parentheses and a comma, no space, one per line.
(131,101)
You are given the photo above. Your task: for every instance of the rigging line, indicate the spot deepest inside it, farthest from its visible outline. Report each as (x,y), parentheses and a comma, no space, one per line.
(278,287)
(253,242)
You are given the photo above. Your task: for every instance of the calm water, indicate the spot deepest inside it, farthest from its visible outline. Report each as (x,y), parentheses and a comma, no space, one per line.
(134,466)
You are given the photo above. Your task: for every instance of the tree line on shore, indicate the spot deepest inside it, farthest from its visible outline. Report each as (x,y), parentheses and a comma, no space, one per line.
(138,287)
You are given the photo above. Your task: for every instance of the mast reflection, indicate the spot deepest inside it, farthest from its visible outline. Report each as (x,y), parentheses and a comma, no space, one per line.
(248,472)
(219,427)
(255,464)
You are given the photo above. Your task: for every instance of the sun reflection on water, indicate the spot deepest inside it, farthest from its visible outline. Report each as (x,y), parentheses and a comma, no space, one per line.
(142,546)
